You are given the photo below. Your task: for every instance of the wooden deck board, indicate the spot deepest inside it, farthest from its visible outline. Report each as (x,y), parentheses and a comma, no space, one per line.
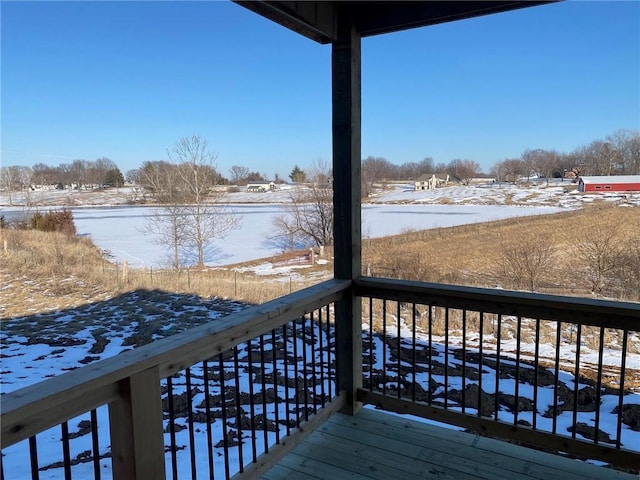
(377,445)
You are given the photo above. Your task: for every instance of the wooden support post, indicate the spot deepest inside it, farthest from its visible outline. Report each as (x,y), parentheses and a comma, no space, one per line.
(137,438)
(346,68)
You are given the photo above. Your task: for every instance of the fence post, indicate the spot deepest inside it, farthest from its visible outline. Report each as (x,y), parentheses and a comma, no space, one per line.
(125,272)
(135,420)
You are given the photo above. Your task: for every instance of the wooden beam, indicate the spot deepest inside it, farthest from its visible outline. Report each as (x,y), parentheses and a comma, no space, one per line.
(37,407)
(135,421)
(346,88)
(375,18)
(584,311)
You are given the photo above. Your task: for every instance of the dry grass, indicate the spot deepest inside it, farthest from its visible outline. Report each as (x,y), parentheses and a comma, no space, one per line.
(472,254)
(49,271)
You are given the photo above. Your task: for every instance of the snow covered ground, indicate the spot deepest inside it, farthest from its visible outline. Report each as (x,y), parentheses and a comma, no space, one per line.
(48,344)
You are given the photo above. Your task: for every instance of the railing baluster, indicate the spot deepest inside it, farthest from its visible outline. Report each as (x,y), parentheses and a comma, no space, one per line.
(312,329)
(223,400)
(238,406)
(330,361)
(413,352)
(384,347)
(398,349)
(576,382)
(172,430)
(516,392)
(305,388)
(265,429)
(480,361)
(497,392)
(536,366)
(599,381)
(207,406)
(66,454)
(623,367)
(371,345)
(322,338)
(464,359)
(252,405)
(554,423)
(296,380)
(446,358)
(276,403)
(192,440)
(430,379)
(33,456)
(286,377)
(94,445)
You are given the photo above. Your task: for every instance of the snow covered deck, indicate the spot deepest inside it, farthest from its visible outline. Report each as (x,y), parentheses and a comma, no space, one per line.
(376,445)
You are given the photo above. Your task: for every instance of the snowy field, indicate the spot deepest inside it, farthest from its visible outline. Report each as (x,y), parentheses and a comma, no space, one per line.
(116,228)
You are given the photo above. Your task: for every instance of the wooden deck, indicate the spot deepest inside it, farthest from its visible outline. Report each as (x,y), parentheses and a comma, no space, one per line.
(374,444)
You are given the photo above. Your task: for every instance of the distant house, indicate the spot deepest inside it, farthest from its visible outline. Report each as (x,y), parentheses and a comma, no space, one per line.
(261,187)
(610,183)
(429,182)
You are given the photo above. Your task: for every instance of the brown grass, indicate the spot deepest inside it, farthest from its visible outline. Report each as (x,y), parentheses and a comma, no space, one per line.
(44,271)
(471,254)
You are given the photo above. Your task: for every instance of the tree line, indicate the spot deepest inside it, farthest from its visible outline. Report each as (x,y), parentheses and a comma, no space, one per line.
(616,154)
(190,188)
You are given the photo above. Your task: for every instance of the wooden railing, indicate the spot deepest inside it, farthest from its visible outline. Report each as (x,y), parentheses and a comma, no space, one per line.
(545,371)
(128,407)
(506,364)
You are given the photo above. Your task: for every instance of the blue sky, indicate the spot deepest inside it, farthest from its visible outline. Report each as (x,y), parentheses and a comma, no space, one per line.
(125,80)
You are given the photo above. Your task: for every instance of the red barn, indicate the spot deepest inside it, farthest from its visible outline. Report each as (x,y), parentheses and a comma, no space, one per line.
(611,183)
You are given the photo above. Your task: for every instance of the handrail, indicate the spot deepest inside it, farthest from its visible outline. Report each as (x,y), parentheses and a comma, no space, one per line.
(431,362)
(35,408)
(584,311)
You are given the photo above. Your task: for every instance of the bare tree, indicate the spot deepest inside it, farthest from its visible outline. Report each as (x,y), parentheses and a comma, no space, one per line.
(238,174)
(16,179)
(498,171)
(167,224)
(627,270)
(463,170)
(543,162)
(374,169)
(208,218)
(513,170)
(77,172)
(626,148)
(308,217)
(133,176)
(598,253)
(524,262)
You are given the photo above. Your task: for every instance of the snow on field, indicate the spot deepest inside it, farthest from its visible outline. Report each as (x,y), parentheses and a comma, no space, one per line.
(116,227)
(45,345)
(118,230)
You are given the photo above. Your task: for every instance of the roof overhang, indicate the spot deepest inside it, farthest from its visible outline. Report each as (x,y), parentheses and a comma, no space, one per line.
(318,20)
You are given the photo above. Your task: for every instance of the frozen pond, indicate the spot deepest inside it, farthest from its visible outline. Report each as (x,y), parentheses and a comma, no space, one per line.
(118,230)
